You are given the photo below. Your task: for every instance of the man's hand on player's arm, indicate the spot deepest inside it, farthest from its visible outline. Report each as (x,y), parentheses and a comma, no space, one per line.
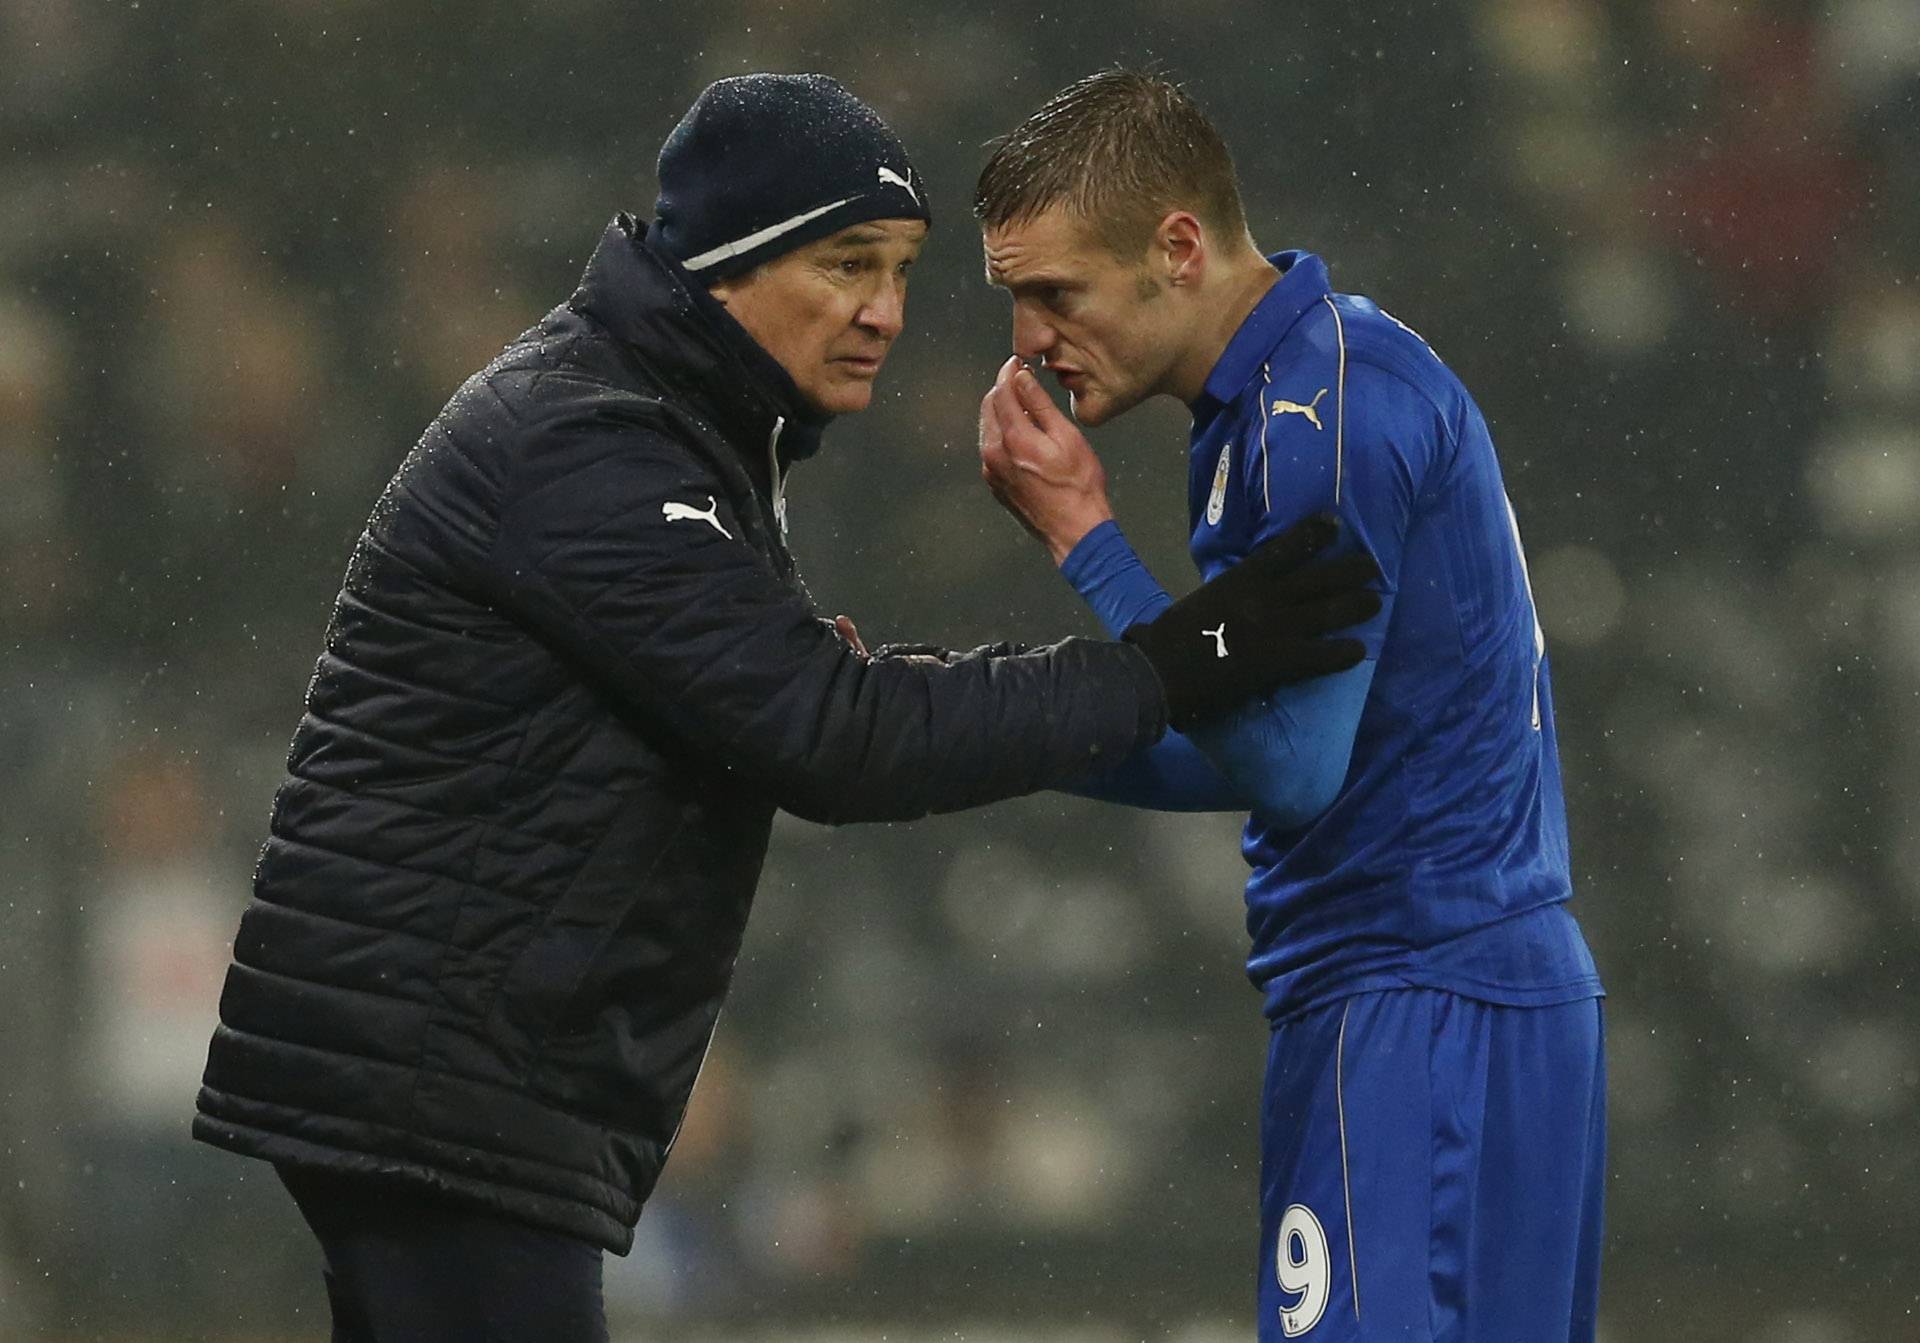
(1260,625)
(1038,464)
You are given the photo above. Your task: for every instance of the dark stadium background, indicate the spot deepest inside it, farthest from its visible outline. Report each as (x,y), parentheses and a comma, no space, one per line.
(991,1077)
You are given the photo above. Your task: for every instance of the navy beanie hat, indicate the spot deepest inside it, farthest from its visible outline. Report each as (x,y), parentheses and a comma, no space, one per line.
(762,164)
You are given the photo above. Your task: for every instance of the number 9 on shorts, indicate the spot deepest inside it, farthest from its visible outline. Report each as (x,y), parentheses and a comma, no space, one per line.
(1301,1268)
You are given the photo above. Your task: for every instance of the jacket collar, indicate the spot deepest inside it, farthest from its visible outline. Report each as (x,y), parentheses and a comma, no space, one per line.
(1303,283)
(641,293)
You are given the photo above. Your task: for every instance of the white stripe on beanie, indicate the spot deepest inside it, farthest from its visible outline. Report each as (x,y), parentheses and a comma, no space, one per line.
(753,240)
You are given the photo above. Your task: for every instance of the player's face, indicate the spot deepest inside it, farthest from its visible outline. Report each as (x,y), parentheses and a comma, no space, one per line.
(830,311)
(1097,321)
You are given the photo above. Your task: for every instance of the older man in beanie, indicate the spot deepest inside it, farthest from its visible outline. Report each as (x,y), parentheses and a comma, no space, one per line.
(569,679)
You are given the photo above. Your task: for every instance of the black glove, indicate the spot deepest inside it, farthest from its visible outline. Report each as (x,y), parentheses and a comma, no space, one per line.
(1260,625)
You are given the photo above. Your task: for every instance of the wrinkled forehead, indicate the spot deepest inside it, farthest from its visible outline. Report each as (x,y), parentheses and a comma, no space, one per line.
(877,232)
(1053,242)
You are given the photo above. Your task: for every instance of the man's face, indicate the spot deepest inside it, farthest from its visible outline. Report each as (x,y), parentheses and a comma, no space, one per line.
(830,310)
(1100,323)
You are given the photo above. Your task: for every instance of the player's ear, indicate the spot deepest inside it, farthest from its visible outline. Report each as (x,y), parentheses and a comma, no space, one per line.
(1180,247)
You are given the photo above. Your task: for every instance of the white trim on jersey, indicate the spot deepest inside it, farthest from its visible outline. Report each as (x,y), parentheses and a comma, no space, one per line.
(1346,1182)
(1340,413)
(1266,487)
(753,240)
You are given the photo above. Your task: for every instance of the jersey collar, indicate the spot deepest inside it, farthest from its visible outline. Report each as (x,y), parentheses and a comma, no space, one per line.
(1303,283)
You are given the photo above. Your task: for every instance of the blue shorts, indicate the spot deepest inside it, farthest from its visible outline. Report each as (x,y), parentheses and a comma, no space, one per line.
(1432,1170)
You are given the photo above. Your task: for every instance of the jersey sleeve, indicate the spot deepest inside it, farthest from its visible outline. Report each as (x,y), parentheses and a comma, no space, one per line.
(1288,753)
(1364,454)
(1173,774)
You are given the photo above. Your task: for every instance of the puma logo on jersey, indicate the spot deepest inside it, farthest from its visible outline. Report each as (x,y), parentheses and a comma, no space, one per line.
(1219,637)
(687,512)
(889,175)
(1294,407)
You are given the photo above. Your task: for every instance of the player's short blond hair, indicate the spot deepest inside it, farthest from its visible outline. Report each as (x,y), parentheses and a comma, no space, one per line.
(1120,149)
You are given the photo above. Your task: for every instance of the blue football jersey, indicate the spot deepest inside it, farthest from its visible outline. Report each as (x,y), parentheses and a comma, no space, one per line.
(1442,862)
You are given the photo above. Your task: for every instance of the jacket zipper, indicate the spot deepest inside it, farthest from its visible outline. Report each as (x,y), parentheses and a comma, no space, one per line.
(779,481)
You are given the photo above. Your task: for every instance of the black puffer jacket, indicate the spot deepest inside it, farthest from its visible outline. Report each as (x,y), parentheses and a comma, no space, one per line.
(569,679)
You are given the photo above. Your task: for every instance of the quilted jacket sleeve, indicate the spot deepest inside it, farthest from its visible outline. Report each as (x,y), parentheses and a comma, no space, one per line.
(616,544)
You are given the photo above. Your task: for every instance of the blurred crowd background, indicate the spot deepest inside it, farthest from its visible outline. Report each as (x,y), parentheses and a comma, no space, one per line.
(993,1076)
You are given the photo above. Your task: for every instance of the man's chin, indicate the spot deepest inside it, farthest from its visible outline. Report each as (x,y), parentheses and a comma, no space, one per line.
(1099,405)
(1092,411)
(843,398)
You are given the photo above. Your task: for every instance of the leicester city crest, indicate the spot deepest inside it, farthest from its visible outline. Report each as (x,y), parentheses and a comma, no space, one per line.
(1217,501)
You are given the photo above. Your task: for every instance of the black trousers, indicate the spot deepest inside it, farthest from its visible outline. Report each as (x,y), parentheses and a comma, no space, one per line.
(405,1267)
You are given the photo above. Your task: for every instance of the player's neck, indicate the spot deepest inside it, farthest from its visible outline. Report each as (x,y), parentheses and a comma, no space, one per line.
(1236,292)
